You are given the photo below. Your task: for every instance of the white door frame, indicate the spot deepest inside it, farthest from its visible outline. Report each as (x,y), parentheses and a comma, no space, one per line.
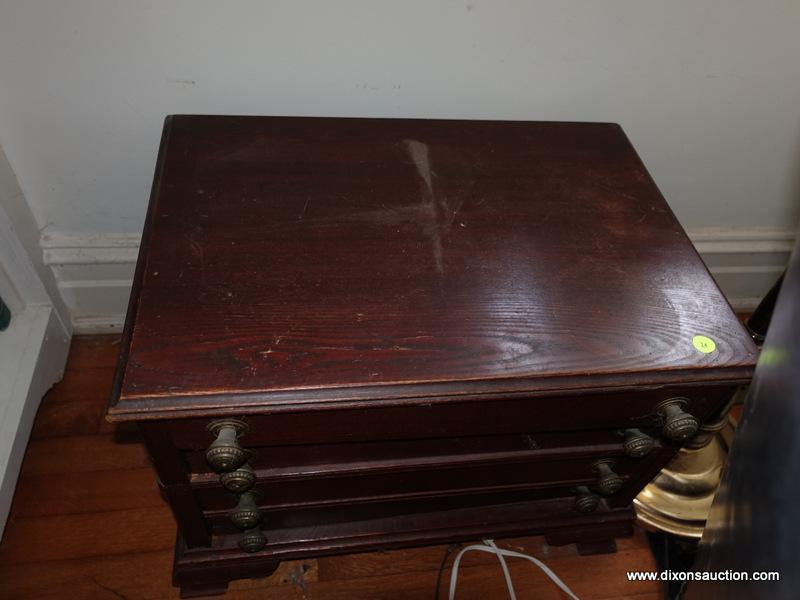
(34,348)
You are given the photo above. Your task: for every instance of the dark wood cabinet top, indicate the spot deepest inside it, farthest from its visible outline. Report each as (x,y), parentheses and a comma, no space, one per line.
(288,261)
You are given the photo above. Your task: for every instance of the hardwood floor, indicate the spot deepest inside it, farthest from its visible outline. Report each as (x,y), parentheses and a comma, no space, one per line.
(87,522)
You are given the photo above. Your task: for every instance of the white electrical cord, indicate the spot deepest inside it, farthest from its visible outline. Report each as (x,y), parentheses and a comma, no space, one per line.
(504,566)
(490,547)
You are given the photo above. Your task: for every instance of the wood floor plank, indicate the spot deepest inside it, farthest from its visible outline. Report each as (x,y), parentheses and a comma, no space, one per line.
(92,577)
(89,492)
(82,454)
(577,571)
(354,566)
(118,576)
(598,578)
(94,351)
(137,576)
(68,418)
(39,539)
(84,386)
(76,406)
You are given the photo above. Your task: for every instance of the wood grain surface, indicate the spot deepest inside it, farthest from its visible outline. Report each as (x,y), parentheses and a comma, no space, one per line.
(389,258)
(88,523)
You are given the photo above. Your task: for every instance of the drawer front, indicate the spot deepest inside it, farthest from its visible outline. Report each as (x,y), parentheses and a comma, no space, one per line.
(596,411)
(526,471)
(438,523)
(324,460)
(379,456)
(277,518)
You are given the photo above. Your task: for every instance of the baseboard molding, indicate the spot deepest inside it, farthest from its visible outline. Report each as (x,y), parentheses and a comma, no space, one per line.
(88,249)
(94,271)
(744,262)
(94,274)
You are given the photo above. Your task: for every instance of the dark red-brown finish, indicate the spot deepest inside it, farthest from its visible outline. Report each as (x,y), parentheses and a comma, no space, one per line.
(409,256)
(433,330)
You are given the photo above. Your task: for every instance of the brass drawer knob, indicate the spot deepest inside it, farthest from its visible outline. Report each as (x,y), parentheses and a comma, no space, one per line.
(240,480)
(637,444)
(678,424)
(225,453)
(246,514)
(585,500)
(607,482)
(252,540)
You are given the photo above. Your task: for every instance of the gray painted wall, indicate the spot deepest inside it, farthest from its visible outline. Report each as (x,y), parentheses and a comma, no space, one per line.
(708,90)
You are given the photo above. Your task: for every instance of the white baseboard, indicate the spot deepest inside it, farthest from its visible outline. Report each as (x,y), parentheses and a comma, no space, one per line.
(744,262)
(94,274)
(95,271)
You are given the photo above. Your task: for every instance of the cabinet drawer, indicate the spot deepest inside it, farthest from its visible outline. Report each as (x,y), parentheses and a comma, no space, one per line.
(442,419)
(288,517)
(373,457)
(435,524)
(527,470)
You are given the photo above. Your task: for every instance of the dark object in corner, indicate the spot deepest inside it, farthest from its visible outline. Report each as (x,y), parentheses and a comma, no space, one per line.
(5,315)
(672,553)
(758,323)
(754,524)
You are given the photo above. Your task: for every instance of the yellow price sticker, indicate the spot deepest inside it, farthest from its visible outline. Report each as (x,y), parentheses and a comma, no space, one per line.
(704,344)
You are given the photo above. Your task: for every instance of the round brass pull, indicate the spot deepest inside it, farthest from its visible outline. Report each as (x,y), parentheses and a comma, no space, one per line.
(585,500)
(246,514)
(637,444)
(678,424)
(240,480)
(608,482)
(225,453)
(252,540)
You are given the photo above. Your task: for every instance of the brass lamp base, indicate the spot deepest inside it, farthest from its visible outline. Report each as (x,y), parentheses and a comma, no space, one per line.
(679,499)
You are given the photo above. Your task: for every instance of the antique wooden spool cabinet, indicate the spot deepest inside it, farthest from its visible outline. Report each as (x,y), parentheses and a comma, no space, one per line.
(354,334)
